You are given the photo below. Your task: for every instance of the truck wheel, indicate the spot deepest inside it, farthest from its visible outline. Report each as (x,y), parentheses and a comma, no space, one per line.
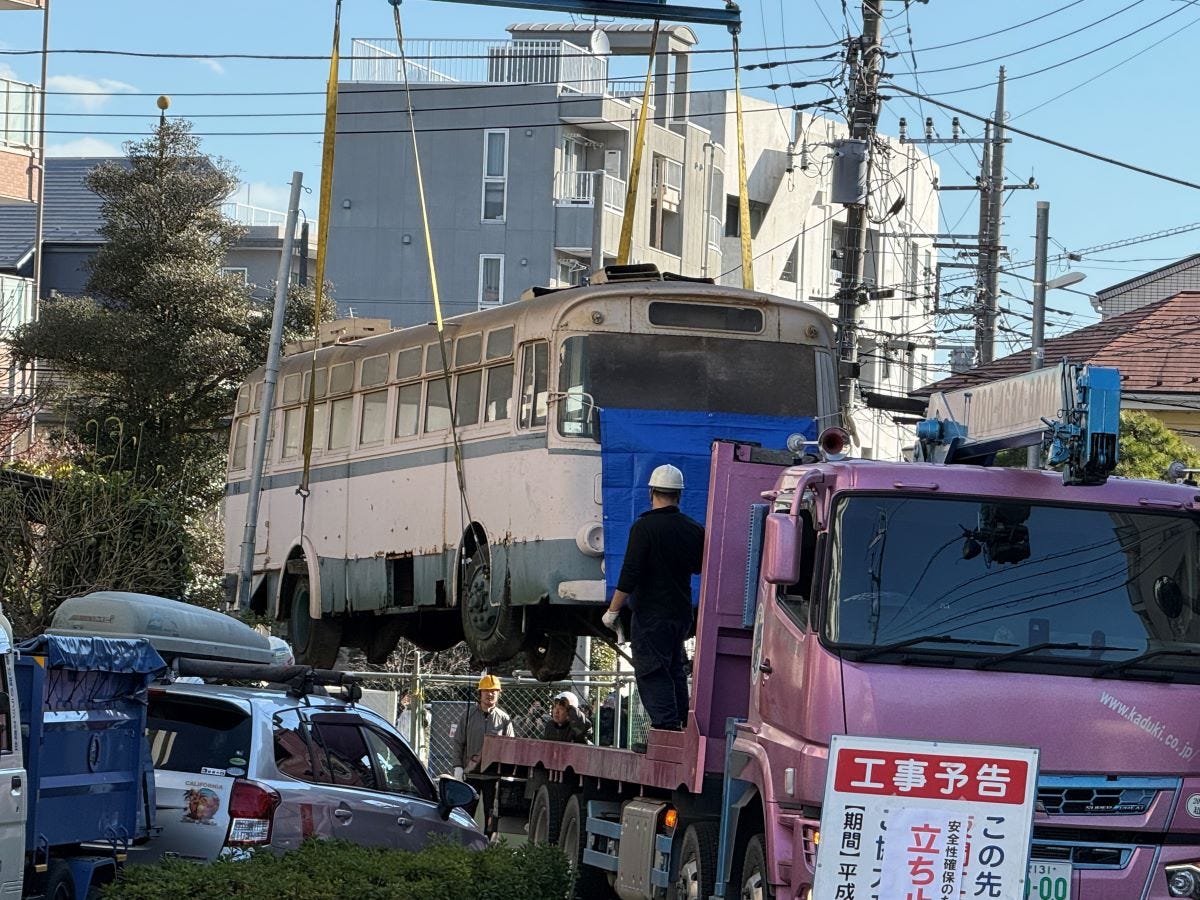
(491,629)
(754,872)
(549,656)
(315,642)
(697,875)
(545,814)
(590,883)
(60,884)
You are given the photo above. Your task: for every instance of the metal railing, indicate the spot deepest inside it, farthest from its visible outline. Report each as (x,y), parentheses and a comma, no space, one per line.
(570,67)
(608,699)
(629,89)
(18,114)
(577,189)
(252,215)
(16,302)
(716,231)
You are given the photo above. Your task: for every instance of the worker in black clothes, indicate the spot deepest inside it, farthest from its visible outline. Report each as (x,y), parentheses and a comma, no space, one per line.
(665,547)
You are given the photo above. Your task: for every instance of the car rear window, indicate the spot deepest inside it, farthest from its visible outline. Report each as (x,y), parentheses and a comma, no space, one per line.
(205,738)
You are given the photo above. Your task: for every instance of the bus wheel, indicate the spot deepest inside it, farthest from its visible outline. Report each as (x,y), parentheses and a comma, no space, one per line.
(754,872)
(315,642)
(490,626)
(697,863)
(549,656)
(590,883)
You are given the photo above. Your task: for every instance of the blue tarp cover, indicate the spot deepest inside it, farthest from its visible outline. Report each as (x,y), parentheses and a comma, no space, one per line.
(94,654)
(635,441)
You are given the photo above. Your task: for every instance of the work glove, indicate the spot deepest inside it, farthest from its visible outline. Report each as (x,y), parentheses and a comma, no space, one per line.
(610,619)
(458,773)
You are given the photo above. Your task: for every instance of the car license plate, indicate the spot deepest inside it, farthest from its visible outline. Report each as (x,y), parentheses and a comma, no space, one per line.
(1048,881)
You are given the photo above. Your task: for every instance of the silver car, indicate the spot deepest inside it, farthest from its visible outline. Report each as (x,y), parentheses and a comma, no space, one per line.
(238,768)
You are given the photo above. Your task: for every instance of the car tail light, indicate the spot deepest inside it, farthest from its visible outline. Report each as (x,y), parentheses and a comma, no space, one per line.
(251,808)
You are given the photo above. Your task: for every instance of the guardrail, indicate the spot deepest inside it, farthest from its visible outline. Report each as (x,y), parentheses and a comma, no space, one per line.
(570,67)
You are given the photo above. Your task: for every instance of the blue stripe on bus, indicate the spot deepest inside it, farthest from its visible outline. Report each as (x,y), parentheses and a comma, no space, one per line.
(409,459)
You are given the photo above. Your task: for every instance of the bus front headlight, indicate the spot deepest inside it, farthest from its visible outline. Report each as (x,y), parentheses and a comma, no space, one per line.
(590,539)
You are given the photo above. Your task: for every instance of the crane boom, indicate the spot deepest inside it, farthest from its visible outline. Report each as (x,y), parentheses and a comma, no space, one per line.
(1076,409)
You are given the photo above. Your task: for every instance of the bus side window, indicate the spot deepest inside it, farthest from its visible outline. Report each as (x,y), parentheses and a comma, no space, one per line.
(466,397)
(437,405)
(534,363)
(498,405)
(408,409)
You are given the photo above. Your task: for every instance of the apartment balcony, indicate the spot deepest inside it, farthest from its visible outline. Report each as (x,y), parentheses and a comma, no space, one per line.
(575,211)
(18,140)
(572,69)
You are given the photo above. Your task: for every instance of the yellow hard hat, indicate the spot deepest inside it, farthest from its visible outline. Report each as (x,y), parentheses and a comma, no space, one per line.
(489,683)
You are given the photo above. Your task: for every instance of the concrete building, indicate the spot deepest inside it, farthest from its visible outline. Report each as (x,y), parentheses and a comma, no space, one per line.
(798,235)
(19,102)
(1150,287)
(525,150)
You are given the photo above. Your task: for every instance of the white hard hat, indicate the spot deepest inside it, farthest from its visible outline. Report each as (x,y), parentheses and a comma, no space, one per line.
(667,478)
(569,697)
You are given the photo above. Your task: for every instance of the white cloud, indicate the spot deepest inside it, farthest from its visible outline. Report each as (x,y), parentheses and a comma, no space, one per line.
(86,146)
(86,93)
(214,65)
(8,72)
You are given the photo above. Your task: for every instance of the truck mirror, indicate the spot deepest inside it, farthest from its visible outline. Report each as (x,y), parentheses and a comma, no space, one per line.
(781,549)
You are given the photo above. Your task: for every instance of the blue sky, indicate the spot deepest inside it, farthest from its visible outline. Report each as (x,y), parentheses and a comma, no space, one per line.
(1139,112)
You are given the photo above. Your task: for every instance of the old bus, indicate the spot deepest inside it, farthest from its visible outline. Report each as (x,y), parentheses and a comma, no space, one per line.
(384,544)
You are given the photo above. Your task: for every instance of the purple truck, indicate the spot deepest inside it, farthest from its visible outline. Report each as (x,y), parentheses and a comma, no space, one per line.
(917,601)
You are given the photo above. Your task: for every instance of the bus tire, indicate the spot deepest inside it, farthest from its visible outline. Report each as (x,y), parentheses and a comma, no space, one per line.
(754,872)
(545,814)
(590,883)
(492,631)
(697,874)
(60,883)
(315,642)
(549,656)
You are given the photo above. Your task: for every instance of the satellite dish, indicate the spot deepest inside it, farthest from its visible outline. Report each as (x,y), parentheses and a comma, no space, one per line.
(599,44)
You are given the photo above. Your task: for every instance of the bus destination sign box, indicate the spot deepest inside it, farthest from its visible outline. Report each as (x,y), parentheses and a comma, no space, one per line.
(925,820)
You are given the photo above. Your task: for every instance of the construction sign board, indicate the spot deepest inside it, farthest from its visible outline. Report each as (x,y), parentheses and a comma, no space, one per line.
(926,820)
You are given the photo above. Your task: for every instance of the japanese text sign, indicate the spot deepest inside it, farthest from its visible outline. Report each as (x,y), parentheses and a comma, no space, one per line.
(919,820)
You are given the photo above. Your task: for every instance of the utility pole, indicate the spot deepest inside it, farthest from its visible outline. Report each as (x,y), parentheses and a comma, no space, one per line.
(1038,330)
(984,334)
(852,189)
(282,280)
(995,209)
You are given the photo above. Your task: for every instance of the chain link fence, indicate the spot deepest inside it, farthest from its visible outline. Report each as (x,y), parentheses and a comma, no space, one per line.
(427,708)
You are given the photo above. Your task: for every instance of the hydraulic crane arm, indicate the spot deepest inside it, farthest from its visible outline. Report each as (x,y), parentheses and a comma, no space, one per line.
(1075,409)
(730,16)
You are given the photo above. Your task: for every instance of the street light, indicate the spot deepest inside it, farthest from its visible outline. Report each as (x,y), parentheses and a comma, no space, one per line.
(1066,280)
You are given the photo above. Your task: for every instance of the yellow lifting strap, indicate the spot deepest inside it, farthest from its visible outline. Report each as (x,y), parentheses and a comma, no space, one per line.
(635,166)
(459,472)
(743,191)
(331,98)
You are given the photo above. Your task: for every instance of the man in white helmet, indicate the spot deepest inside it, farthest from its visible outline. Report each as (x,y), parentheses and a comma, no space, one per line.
(665,548)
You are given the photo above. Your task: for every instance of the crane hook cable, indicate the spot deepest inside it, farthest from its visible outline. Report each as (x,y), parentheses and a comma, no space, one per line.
(331,98)
(460,473)
(635,166)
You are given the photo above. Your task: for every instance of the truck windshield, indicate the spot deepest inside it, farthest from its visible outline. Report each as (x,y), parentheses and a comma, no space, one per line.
(1105,592)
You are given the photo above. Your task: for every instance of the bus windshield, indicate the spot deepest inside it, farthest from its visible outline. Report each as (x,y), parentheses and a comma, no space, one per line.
(681,372)
(1003,583)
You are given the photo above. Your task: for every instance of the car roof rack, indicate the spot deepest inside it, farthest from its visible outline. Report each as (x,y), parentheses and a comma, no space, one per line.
(300,681)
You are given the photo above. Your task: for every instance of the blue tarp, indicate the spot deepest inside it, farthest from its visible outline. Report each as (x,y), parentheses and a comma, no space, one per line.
(635,441)
(95,654)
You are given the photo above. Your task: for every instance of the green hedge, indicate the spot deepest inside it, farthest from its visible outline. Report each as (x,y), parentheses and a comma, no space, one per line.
(333,870)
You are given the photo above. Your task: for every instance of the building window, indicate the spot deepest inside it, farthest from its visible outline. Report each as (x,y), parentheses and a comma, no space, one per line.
(491,280)
(733,220)
(789,267)
(495,174)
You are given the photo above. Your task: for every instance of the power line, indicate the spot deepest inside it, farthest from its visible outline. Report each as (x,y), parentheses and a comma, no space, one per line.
(980,37)
(1051,141)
